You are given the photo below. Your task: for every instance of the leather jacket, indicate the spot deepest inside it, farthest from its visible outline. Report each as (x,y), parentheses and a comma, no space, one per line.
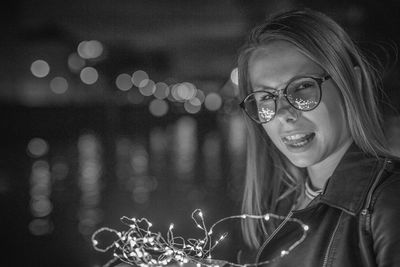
(355,221)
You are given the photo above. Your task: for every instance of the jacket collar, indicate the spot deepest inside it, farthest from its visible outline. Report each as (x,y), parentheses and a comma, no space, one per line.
(349,184)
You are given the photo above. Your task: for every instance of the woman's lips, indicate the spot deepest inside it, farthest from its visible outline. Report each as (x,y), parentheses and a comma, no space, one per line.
(298,139)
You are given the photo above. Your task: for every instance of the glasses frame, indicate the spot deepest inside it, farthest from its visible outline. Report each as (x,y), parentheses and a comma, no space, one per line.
(283,92)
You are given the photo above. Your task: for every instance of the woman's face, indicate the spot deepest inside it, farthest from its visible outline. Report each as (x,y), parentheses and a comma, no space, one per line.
(304,137)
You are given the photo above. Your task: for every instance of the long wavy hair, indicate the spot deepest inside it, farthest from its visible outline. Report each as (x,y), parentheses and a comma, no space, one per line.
(273,183)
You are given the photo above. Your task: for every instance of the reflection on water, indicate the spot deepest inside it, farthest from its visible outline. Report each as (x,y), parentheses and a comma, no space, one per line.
(90,172)
(76,171)
(40,204)
(184,148)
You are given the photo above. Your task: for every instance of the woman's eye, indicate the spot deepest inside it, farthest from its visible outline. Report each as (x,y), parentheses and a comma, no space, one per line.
(304,86)
(266,97)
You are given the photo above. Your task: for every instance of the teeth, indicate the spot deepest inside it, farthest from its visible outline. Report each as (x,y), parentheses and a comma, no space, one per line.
(301,143)
(295,137)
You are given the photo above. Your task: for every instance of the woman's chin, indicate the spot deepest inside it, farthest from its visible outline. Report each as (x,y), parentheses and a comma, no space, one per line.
(302,160)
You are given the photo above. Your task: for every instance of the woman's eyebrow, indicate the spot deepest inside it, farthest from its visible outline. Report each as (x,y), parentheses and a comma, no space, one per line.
(263,88)
(283,85)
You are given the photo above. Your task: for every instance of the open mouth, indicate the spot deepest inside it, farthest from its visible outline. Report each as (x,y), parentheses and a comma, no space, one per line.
(298,140)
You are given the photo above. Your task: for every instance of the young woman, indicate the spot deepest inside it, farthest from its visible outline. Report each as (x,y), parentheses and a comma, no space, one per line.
(316,149)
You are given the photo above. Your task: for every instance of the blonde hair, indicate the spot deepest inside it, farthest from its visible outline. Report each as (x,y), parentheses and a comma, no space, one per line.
(272,182)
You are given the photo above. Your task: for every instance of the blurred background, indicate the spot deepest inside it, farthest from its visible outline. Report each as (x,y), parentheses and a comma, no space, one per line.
(126,107)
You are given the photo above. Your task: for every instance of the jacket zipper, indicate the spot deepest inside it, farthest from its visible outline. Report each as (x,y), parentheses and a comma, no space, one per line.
(377,180)
(272,235)
(331,240)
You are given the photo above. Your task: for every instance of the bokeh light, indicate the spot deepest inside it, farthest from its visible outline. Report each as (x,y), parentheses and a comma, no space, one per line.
(90,49)
(184,148)
(90,172)
(148,89)
(41,206)
(139,77)
(59,170)
(185,91)
(158,107)
(37,147)
(135,97)
(89,75)
(75,62)
(40,227)
(40,180)
(195,101)
(40,68)
(59,85)
(213,101)
(235,76)
(124,82)
(200,95)
(162,90)
(190,108)
(139,161)
(174,93)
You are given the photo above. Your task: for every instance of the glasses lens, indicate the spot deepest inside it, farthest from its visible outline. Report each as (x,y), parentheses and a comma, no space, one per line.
(304,93)
(260,106)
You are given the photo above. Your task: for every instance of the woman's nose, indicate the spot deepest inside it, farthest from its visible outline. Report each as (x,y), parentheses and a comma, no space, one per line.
(284,111)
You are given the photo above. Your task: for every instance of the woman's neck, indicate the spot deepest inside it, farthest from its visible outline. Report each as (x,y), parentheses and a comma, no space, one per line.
(320,172)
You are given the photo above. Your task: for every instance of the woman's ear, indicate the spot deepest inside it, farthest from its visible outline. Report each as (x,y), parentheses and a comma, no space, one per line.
(357,70)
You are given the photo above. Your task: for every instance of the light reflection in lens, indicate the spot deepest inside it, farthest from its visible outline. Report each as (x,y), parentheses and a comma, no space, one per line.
(265,114)
(305,104)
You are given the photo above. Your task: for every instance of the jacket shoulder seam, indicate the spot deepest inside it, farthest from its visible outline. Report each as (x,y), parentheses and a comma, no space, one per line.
(388,181)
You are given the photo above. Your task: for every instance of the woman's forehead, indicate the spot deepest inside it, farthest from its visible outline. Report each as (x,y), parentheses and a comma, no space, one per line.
(278,62)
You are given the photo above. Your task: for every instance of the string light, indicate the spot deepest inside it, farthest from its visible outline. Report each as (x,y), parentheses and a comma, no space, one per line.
(140,246)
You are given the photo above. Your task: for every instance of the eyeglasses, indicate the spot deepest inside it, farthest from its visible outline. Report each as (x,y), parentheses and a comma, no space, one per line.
(302,93)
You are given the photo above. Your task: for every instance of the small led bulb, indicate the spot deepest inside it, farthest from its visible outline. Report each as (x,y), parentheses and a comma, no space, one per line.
(284,252)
